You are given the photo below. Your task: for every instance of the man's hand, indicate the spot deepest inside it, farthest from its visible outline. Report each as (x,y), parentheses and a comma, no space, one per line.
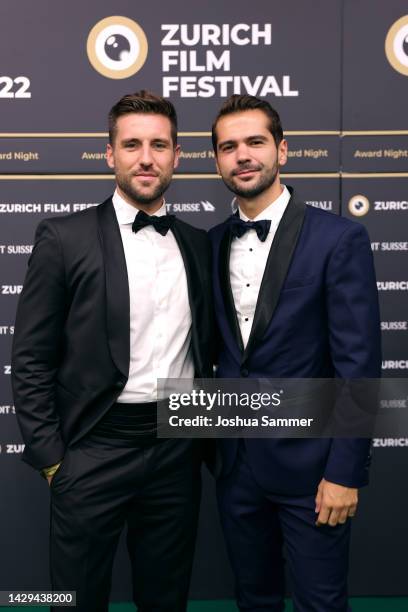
(50,472)
(335,503)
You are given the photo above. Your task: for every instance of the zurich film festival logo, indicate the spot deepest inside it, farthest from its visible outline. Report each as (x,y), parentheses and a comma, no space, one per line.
(359,205)
(117,47)
(396,45)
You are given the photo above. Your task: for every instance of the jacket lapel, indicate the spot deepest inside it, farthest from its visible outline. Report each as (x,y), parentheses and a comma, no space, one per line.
(189,258)
(191,262)
(277,265)
(117,287)
(225,284)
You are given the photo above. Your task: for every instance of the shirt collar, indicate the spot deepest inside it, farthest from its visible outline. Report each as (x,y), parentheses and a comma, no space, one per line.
(274,211)
(126,213)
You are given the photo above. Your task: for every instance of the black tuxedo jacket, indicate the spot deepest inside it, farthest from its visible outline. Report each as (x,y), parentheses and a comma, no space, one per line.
(71,349)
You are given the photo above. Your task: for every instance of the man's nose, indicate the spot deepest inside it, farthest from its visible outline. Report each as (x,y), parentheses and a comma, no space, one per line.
(242,153)
(146,158)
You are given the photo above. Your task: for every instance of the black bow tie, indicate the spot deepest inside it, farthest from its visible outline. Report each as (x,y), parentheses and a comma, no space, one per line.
(160,224)
(238,227)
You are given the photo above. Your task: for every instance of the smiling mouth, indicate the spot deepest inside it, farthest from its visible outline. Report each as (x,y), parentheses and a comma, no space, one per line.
(145,175)
(246,172)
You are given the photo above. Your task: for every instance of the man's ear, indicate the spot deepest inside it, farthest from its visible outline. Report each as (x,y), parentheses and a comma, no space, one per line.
(109,156)
(283,152)
(177,151)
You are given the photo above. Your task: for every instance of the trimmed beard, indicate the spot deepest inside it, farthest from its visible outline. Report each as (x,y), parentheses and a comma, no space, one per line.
(253,191)
(136,195)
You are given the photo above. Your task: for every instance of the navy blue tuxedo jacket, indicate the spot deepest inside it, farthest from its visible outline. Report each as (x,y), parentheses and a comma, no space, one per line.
(317,316)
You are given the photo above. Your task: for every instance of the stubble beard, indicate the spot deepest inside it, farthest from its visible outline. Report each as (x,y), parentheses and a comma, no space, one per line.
(265,181)
(138,196)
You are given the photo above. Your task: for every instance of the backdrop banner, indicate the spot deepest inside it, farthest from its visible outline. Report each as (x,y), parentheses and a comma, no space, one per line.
(337,72)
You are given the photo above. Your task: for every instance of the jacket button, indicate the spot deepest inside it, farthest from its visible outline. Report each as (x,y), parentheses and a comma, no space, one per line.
(119,384)
(244,372)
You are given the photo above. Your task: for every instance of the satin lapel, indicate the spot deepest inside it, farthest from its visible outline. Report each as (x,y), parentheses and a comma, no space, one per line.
(225,284)
(117,287)
(277,265)
(191,259)
(190,262)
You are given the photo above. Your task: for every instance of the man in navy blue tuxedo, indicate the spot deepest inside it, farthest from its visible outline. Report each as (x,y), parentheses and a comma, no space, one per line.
(296,297)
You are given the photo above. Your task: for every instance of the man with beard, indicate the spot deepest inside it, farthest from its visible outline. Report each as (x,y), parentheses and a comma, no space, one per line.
(295,297)
(116,297)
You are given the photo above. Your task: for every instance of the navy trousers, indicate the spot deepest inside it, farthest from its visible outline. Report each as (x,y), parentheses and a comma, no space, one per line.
(263,530)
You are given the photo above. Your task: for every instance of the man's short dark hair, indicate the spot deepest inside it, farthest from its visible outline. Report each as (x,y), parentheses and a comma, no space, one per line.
(142,102)
(238,104)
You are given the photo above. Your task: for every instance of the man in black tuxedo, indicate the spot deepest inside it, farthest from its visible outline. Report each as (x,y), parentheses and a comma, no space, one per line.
(116,297)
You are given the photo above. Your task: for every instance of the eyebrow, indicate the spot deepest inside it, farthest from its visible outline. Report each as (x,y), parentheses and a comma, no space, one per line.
(252,137)
(126,141)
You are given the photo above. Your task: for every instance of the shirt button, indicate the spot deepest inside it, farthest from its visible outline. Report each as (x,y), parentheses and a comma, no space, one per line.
(246,319)
(251,249)
(247,285)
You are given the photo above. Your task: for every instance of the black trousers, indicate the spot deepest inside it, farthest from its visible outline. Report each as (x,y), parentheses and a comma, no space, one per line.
(154,489)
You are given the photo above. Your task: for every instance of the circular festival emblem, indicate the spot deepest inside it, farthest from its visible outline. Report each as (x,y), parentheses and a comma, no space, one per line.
(396,45)
(359,205)
(117,47)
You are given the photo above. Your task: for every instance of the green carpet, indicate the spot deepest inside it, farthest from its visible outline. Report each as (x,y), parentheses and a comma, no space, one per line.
(359,604)
(377,604)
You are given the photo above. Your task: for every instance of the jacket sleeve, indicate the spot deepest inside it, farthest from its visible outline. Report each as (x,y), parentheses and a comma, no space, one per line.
(37,346)
(355,341)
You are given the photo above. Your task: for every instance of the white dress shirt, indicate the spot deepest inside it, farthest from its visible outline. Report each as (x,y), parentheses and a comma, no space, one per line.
(248,260)
(160,317)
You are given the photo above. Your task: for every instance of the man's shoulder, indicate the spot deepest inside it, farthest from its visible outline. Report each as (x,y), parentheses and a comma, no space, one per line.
(80,221)
(327,221)
(218,230)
